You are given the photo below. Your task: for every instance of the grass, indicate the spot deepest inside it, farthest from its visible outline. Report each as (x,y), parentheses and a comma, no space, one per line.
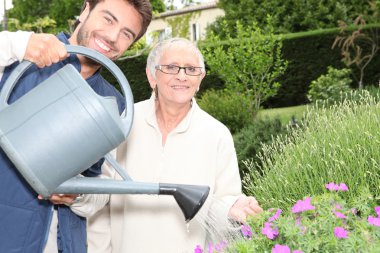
(284,114)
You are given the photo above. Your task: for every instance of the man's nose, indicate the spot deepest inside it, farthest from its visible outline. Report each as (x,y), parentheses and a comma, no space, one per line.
(113,34)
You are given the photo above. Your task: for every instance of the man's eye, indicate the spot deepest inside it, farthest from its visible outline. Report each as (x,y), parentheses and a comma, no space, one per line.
(127,35)
(108,20)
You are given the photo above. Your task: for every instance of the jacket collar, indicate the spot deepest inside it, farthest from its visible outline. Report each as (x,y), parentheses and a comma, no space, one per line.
(183,126)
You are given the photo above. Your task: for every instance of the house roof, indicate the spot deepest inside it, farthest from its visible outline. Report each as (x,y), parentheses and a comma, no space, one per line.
(199,7)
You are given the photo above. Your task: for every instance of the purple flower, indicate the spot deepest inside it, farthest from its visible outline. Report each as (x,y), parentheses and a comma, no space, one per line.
(377,210)
(374,221)
(303,205)
(275,216)
(297,251)
(246,230)
(280,249)
(338,207)
(198,249)
(269,232)
(340,215)
(340,232)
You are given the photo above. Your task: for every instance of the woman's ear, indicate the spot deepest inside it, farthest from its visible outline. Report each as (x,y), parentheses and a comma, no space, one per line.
(152,80)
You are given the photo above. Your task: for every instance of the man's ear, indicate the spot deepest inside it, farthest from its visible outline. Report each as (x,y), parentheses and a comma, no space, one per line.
(85,12)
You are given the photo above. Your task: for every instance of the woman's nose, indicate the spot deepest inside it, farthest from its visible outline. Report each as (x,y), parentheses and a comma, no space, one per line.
(182,74)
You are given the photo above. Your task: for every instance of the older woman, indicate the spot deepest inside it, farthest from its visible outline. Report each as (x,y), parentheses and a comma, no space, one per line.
(173,141)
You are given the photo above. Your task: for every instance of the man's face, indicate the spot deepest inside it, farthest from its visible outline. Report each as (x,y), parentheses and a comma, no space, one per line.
(110,28)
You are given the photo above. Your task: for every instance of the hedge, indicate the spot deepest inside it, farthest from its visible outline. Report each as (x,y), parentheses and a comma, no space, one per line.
(309,54)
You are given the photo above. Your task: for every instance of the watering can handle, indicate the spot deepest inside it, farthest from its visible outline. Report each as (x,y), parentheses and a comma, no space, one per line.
(92,54)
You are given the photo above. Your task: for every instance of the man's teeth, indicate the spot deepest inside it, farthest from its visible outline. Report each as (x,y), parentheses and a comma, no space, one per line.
(102,46)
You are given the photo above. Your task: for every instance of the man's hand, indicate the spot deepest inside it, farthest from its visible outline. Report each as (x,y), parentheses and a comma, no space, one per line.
(45,49)
(243,207)
(62,199)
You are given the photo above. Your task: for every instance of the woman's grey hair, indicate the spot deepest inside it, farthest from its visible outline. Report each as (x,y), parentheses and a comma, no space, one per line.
(162,46)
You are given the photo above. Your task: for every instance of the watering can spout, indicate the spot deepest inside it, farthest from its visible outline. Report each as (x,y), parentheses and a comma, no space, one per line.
(190,198)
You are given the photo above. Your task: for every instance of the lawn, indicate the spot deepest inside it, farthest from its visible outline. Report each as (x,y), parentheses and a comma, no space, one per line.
(284,114)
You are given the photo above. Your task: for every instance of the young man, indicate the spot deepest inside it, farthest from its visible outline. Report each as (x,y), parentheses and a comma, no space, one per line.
(30,224)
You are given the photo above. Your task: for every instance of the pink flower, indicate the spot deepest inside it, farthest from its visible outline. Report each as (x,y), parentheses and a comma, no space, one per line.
(340,232)
(221,246)
(297,251)
(332,187)
(269,232)
(377,210)
(340,215)
(303,205)
(275,216)
(298,223)
(198,249)
(374,221)
(246,230)
(337,206)
(343,187)
(280,249)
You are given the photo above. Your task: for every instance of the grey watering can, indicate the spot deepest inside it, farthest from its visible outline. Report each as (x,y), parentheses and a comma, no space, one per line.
(61,127)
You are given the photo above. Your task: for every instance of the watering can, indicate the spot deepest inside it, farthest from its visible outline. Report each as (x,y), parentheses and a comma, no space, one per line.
(61,127)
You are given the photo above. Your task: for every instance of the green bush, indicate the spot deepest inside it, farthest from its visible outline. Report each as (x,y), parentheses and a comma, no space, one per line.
(231,108)
(339,143)
(331,85)
(249,140)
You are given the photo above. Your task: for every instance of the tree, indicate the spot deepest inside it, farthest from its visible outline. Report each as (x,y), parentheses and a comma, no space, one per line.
(359,47)
(250,64)
(30,13)
(290,15)
(64,12)
(158,6)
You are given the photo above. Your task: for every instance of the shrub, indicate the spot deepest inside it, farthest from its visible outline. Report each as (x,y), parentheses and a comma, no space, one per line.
(249,140)
(231,108)
(338,143)
(330,86)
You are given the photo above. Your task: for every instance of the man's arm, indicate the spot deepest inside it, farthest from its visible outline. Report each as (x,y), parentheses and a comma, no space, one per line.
(41,48)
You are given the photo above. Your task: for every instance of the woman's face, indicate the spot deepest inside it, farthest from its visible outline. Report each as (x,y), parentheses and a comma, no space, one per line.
(179,88)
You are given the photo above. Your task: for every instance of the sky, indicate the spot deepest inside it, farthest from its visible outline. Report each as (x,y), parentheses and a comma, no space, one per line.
(8,4)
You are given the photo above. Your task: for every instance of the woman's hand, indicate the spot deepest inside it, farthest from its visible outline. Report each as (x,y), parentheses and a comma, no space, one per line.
(243,207)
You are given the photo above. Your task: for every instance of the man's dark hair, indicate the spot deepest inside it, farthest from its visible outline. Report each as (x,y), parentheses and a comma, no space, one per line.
(143,7)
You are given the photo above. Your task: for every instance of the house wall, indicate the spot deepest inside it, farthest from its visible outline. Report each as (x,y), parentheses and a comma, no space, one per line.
(190,24)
